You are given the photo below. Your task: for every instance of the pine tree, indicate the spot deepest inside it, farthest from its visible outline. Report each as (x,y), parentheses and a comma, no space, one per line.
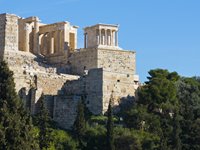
(176,132)
(79,126)
(109,127)
(43,124)
(189,96)
(15,122)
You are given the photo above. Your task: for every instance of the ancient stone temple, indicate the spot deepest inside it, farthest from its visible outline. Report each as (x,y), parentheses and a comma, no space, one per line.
(45,59)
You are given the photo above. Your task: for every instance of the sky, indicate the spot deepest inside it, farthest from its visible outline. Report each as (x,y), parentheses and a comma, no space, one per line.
(164,33)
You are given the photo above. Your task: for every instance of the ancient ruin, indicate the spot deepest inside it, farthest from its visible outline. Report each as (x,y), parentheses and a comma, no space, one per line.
(45,59)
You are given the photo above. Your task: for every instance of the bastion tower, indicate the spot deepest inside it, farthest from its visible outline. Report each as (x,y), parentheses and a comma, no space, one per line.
(45,59)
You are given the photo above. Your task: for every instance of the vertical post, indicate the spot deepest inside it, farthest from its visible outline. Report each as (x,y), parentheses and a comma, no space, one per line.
(61,40)
(36,37)
(106,37)
(109,38)
(113,38)
(103,37)
(116,38)
(26,38)
(100,42)
(58,40)
(97,35)
(51,43)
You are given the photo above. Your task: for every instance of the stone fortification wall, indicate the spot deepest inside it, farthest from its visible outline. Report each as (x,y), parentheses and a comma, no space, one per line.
(65,110)
(94,90)
(9,32)
(120,86)
(2,32)
(30,72)
(85,58)
(120,61)
(25,66)
(108,59)
(89,86)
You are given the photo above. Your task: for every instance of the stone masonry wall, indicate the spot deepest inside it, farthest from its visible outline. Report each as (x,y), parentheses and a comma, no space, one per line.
(2,33)
(85,58)
(30,72)
(89,86)
(94,90)
(65,110)
(11,32)
(25,66)
(120,61)
(120,86)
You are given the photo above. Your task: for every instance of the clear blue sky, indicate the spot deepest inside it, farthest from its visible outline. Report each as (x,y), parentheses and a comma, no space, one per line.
(164,33)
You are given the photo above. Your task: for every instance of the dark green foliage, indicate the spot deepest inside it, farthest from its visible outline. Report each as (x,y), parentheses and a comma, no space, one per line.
(176,132)
(109,127)
(95,137)
(189,96)
(135,139)
(157,101)
(125,139)
(43,125)
(15,122)
(79,126)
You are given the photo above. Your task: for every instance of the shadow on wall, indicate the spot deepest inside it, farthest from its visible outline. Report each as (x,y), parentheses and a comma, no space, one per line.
(32,103)
(1,54)
(125,103)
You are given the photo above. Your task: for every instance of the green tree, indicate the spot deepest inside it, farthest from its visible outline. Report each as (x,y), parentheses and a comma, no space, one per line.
(43,125)
(15,122)
(79,126)
(157,100)
(61,140)
(189,96)
(176,132)
(109,127)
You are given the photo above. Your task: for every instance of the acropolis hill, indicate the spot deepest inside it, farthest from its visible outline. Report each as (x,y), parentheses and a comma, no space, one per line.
(45,59)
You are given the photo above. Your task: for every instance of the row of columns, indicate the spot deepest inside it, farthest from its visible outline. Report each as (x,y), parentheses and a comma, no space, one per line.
(107,37)
(103,37)
(52,42)
(31,35)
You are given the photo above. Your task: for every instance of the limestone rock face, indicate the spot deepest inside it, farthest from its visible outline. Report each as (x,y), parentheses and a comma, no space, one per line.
(45,59)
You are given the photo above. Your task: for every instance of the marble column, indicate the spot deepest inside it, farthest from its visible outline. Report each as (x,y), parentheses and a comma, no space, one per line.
(103,37)
(58,41)
(36,37)
(106,37)
(26,37)
(116,38)
(100,37)
(97,36)
(61,41)
(51,43)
